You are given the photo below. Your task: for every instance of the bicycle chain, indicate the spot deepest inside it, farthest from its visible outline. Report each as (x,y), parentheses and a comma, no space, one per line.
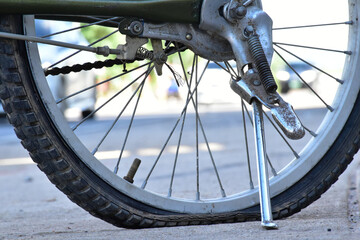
(141,54)
(85,67)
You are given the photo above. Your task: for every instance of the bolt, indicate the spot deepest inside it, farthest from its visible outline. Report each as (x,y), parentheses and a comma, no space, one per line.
(249,30)
(240,12)
(161,58)
(273,99)
(188,36)
(136,28)
(256,82)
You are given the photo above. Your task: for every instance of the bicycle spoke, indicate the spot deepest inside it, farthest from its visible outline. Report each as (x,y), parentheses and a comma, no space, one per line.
(197,132)
(132,120)
(115,24)
(230,68)
(181,130)
(309,131)
(171,133)
(307,85)
(195,104)
(208,145)
(227,70)
(80,27)
(314,48)
(311,65)
(119,115)
(315,25)
(246,144)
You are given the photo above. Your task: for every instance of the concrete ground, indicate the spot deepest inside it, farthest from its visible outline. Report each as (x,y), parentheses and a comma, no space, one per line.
(32,208)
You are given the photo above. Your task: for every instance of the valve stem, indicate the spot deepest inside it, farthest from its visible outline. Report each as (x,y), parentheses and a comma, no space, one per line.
(132,171)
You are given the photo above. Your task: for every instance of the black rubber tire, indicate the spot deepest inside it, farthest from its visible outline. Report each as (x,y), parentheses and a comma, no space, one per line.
(26,112)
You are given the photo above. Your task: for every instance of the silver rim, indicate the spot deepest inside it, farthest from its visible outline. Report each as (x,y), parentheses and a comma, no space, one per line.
(285,174)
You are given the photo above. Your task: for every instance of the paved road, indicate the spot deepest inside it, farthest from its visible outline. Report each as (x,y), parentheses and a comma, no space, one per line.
(32,208)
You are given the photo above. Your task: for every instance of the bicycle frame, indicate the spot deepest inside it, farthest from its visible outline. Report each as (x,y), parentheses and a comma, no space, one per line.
(182,11)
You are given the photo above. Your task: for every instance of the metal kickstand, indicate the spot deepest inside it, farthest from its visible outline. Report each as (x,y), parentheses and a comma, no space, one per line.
(262,168)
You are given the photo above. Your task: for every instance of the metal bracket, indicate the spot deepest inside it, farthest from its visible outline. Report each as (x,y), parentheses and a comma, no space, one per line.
(233,31)
(250,88)
(159,55)
(128,50)
(212,47)
(131,27)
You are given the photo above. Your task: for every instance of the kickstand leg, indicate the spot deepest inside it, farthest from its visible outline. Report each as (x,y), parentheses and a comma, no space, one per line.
(262,169)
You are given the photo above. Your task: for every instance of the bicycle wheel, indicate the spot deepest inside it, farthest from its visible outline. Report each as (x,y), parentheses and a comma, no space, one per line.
(189,130)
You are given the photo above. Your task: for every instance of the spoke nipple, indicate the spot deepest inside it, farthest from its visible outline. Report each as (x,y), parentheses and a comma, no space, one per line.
(144,184)
(132,171)
(340,81)
(313,134)
(223,194)
(331,109)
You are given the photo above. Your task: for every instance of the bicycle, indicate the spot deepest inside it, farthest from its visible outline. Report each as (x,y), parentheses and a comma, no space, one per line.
(218,32)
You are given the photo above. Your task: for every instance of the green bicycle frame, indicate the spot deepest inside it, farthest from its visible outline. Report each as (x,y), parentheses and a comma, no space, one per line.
(181,11)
